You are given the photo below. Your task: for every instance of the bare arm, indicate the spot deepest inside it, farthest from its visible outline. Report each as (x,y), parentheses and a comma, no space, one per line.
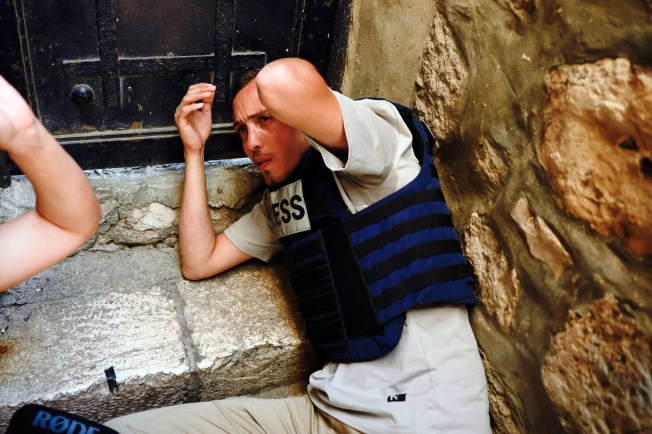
(294,93)
(203,254)
(66,213)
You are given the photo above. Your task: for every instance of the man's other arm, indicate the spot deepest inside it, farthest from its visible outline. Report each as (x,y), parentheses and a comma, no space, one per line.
(66,212)
(203,253)
(295,93)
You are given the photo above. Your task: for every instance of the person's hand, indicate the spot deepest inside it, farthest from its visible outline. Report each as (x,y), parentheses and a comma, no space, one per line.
(193,116)
(17,122)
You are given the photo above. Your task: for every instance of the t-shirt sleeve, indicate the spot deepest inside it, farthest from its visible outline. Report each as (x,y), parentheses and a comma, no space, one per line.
(374,130)
(253,235)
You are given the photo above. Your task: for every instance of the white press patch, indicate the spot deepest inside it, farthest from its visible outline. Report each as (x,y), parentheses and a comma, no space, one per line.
(287,208)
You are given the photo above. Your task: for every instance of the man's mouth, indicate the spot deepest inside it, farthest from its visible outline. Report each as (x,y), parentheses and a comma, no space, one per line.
(262,162)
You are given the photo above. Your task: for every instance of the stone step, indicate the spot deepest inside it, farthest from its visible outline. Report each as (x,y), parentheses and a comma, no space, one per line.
(168,340)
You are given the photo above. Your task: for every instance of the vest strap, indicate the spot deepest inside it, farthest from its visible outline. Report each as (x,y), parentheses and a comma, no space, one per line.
(409,226)
(410,255)
(415,283)
(374,214)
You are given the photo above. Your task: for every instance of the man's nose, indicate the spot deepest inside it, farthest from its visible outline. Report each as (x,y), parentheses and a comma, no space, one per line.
(253,141)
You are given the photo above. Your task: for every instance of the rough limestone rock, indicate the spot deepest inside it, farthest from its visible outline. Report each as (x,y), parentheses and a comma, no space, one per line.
(597,372)
(597,148)
(541,240)
(442,80)
(141,206)
(500,287)
(155,216)
(488,165)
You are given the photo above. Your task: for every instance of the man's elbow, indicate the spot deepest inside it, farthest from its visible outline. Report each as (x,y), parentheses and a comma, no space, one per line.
(191,267)
(89,224)
(282,76)
(92,221)
(192,273)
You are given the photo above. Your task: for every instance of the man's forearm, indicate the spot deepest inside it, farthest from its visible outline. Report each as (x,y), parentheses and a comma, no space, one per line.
(296,94)
(64,196)
(196,233)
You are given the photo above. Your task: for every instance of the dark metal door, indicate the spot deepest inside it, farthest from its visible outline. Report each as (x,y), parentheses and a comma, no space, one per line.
(105,76)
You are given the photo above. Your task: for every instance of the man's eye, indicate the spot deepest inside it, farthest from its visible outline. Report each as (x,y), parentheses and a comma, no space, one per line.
(264,118)
(241,129)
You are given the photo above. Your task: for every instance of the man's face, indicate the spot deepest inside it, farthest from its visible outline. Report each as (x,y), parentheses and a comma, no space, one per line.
(274,147)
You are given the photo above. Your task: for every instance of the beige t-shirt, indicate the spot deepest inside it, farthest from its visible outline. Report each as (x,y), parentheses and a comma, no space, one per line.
(398,392)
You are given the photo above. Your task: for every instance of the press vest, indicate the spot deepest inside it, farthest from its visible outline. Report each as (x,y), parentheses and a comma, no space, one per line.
(356,275)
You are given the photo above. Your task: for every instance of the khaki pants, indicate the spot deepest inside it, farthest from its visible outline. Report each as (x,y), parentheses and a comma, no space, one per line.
(233,415)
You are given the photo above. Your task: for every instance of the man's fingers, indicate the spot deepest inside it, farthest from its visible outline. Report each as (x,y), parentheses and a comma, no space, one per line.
(185,110)
(199,91)
(200,86)
(192,97)
(183,113)
(199,97)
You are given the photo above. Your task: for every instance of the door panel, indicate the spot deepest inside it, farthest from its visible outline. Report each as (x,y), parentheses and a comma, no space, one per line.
(105,76)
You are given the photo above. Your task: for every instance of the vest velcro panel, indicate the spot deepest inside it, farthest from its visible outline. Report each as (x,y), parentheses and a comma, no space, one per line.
(330,287)
(318,301)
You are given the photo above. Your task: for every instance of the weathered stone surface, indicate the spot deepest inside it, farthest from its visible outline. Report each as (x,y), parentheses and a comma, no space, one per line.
(16,199)
(500,287)
(154,216)
(541,240)
(598,147)
(115,305)
(488,166)
(147,225)
(443,78)
(598,371)
(60,348)
(517,8)
(231,184)
(169,340)
(140,205)
(267,348)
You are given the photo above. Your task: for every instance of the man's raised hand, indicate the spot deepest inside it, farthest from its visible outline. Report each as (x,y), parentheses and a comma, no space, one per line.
(193,116)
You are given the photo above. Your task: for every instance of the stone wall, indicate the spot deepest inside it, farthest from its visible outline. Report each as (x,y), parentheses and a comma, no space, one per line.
(544,111)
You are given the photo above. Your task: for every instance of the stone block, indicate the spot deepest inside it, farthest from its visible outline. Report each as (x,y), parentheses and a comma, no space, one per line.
(169,340)
(500,287)
(597,372)
(59,349)
(541,240)
(597,147)
(247,332)
(442,80)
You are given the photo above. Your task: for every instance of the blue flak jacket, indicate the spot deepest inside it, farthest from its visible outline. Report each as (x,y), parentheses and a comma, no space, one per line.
(356,275)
